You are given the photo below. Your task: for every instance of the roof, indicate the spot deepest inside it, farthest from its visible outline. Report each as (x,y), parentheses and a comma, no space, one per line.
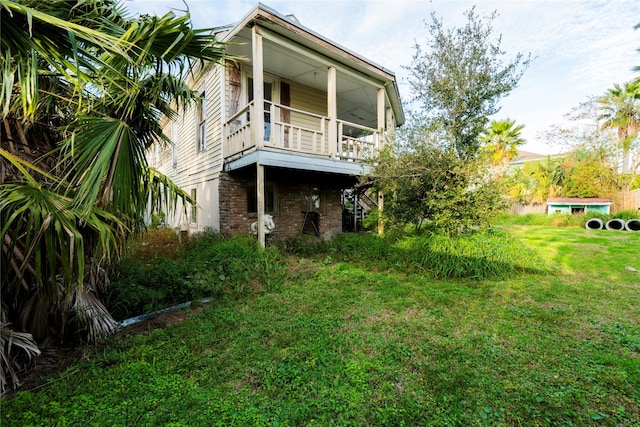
(524,156)
(579,201)
(289,26)
(527,156)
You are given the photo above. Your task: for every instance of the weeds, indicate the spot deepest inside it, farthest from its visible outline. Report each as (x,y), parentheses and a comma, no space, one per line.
(208,265)
(477,255)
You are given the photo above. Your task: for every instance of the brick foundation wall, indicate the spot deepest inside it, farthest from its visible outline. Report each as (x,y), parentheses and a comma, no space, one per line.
(289,188)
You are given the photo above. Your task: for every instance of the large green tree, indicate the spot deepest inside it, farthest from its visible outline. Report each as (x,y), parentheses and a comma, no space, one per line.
(459,77)
(85,87)
(432,185)
(436,175)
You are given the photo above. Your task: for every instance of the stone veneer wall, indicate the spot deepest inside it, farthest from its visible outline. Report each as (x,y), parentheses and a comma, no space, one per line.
(289,187)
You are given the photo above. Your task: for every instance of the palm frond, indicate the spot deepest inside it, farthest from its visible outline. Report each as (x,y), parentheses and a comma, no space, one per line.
(16,349)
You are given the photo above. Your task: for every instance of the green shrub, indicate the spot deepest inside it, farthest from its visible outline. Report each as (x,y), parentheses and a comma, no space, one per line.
(567,220)
(625,215)
(302,245)
(160,243)
(479,255)
(138,287)
(209,265)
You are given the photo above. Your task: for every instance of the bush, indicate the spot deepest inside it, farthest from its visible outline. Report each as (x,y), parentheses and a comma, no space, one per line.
(208,265)
(436,186)
(479,255)
(160,243)
(302,245)
(625,215)
(561,220)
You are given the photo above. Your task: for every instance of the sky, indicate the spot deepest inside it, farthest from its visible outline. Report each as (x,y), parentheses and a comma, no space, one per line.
(579,48)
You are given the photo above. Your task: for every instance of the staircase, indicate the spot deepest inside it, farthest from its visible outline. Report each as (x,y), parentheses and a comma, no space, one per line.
(355,208)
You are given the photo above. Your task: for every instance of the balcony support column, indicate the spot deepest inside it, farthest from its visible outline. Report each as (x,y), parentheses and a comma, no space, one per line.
(381,118)
(257,119)
(260,203)
(332,111)
(391,124)
(380,211)
(379,146)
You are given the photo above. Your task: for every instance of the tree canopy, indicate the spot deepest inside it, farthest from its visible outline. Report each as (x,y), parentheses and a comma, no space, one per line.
(459,77)
(437,176)
(431,185)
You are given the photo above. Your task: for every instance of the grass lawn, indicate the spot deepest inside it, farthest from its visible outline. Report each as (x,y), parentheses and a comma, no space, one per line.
(341,342)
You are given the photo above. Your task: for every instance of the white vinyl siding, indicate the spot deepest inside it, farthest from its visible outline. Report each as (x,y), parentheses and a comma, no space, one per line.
(307,99)
(190,168)
(174,146)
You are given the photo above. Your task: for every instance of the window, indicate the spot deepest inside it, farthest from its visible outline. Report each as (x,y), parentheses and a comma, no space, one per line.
(194,207)
(269,199)
(311,200)
(268,96)
(201,128)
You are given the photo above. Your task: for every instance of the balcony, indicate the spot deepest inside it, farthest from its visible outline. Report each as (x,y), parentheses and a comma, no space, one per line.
(302,133)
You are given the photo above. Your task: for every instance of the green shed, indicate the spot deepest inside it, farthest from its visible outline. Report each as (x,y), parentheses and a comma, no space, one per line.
(574,205)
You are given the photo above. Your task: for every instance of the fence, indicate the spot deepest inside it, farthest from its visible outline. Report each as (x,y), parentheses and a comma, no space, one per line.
(520,209)
(626,201)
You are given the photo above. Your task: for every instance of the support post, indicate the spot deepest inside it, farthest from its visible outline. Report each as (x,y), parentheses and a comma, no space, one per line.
(332,111)
(258,88)
(355,210)
(381,118)
(260,203)
(380,211)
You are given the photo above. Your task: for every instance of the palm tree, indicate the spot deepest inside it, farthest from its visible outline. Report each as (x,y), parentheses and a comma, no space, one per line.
(84,89)
(501,141)
(621,112)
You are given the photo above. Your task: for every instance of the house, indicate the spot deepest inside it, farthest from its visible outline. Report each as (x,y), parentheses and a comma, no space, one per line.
(574,205)
(284,132)
(527,158)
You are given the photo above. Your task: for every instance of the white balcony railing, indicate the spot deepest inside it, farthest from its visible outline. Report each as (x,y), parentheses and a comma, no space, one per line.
(301,132)
(304,132)
(237,132)
(366,145)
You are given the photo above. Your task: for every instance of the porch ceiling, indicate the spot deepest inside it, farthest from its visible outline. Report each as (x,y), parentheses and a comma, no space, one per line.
(356,99)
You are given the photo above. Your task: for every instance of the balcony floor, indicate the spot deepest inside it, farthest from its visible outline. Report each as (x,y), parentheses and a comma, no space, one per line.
(286,159)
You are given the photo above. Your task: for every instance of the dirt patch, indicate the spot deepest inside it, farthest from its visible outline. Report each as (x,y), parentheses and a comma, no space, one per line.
(54,360)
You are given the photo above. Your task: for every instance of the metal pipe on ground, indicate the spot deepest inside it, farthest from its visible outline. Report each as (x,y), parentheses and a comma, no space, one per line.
(633,225)
(615,224)
(594,224)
